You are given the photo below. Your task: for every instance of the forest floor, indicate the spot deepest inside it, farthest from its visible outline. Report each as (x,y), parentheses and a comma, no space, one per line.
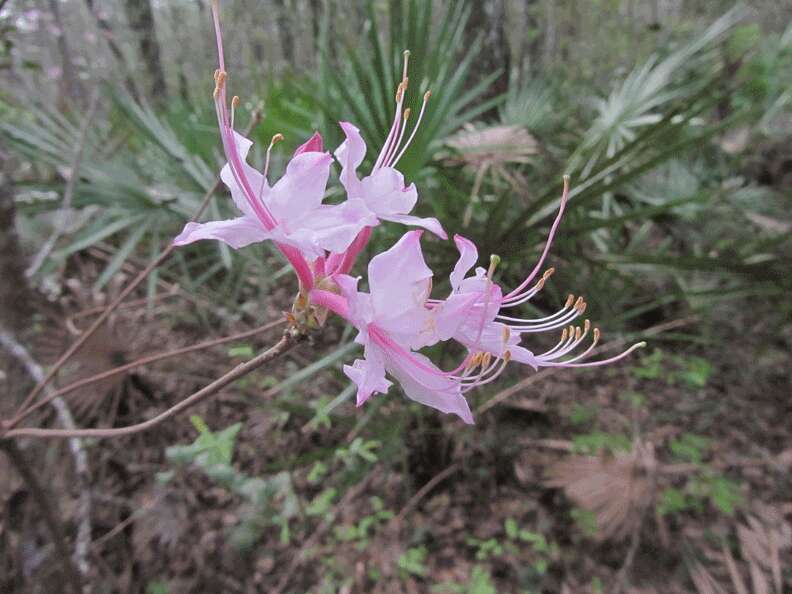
(665,474)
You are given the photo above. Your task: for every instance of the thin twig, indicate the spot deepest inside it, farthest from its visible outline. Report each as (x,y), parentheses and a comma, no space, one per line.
(137,363)
(66,419)
(48,514)
(241,370)
(521,385)
(255,119)
(320,531)
(68,193)
(423,492)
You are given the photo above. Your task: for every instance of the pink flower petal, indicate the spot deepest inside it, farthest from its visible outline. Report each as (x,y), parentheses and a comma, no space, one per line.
(428,223)
(468,255)
(255,178)
(351,154)
(385,193)
(237,232)
(425,383)
(313,145)
(335,227)
(450,314)
(301,189)
(399,278)
(368,374)
(359,309)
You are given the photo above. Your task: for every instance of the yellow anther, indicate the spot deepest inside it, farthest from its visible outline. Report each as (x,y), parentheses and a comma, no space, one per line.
(494,261)
(507,356)
(427,95)
(578,332)
(474,362)
(579,303)
(586,325)
(276,139)
(640,345)
(582,308)
(596,334)
(220,79)
(548,273)
(406,114)
(563,335)
(540,285)
(570,300)
(486,360)
(506,334)
(235,101)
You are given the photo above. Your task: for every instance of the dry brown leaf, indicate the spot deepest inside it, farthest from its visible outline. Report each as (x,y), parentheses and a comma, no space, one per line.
(734,572)
(704,582)
(758,579)
(616,489)
(495,145)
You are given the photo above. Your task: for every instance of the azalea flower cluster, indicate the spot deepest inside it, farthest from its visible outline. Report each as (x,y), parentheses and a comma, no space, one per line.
(397,316)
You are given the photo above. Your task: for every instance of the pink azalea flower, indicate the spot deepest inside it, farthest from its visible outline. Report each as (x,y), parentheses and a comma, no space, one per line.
(392,321)
(383,190)
(291,212)
(294,203)
(483,328)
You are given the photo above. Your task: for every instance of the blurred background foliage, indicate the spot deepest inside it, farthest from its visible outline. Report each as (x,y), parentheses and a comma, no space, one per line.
(673,118)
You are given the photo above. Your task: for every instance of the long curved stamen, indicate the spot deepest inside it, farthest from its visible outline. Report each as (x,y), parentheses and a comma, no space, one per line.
(234,105)
(395,145)
(559,323)
(395,161)
(576,312)
(394,129)
(618,357)
(569,303)
(218,36)
(585,353)
(578,335)
(275,140)
(483,360)
(494,261)
(562,342)
(549,242)
(523,297)
(401,89)
(493,375)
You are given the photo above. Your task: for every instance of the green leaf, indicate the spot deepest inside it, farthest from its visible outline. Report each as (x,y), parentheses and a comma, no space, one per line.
(512,530)
(671,501)
(244,351)
(322,503)
(115,264)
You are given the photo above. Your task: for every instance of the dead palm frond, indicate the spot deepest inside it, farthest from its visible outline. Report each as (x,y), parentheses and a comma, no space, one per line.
(616,489)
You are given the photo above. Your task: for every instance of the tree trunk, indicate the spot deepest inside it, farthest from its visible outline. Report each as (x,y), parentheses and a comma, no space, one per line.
(487,20)
(285,34)
(70,85)
(141,21)
(107,33)
(15,300)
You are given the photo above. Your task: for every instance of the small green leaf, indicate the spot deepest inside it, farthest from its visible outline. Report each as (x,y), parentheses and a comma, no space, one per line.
(244,351)
(510,525)
(671,501)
